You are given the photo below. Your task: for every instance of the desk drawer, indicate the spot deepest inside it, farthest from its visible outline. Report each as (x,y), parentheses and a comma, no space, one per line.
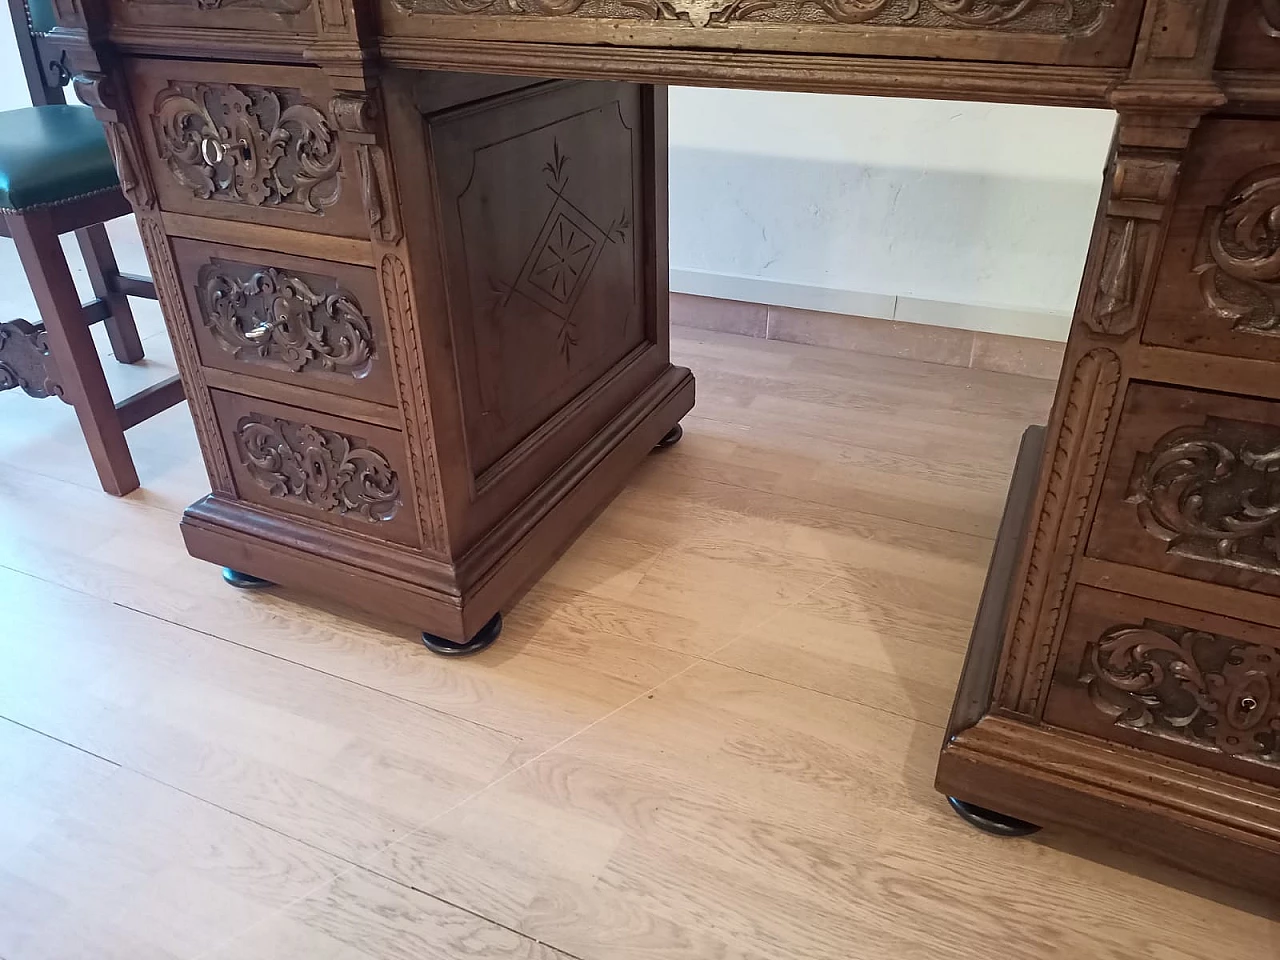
(1218,290)
(294,320)
(1192,488)
(289,18)
(1174,681)
(330,469)
(247,142)
(1059,32)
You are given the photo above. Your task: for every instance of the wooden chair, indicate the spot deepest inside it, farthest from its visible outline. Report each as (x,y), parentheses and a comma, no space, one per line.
(57,176)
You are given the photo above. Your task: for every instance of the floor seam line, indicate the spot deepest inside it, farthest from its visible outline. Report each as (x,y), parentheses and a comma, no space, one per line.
(217,948)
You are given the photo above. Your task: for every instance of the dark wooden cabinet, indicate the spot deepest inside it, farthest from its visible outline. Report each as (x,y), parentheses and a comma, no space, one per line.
(412,256)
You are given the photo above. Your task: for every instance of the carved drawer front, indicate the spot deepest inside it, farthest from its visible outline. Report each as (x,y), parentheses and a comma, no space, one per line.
(336,471)
(1186,684)
(285,17)
(248,142)
(1251,36)
(307,322)
(1218,289)
(1193,488)
(1096,32)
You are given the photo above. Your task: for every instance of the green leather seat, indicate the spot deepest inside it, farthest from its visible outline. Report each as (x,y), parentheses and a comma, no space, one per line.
(51,155)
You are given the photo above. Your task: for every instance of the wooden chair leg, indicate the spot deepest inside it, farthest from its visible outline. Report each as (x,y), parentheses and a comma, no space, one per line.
(100,260)
(73,349)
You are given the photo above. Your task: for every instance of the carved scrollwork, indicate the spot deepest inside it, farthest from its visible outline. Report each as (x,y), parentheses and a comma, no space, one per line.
(1240,280)
(320,468)
(1213,493)
(252,145)
(1043,16)
(25,363)
(285,318)
(1215,690)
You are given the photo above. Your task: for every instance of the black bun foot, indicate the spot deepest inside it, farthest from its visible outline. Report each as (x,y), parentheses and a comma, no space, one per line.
(447,648)
(244,581)
(670,438)
(989,821)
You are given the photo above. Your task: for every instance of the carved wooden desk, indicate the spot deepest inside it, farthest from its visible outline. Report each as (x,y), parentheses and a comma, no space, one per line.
(418,297)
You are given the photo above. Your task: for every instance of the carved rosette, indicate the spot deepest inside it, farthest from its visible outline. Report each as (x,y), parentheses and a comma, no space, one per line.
(1058,17)
(1240,268)
(318,468)
(1217,691)
(25,363)
(252,145)
(1212,492)
(284,319)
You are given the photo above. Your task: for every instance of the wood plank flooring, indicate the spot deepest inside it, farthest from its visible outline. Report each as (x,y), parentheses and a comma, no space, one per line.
(709,733)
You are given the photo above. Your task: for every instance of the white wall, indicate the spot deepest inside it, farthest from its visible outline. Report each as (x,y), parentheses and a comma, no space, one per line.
(13,85)
(915,209)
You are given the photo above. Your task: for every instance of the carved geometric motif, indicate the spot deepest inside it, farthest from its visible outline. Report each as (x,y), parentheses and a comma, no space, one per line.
(1215,690)
(1240,255)
(563,255)
(254,145)
(297,321)
(319,468)
(1212,492)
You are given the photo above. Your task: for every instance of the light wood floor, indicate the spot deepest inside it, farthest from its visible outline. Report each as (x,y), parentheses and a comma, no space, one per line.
(709,733)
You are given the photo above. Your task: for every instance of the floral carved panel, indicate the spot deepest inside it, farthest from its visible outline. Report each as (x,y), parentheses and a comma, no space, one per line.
(296,321)
(318,468)
(1217,691)
(1212,493)
(257,146)
(1240,264)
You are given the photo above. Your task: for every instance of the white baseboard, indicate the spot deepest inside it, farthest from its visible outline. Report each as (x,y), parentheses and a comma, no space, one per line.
(1007,321)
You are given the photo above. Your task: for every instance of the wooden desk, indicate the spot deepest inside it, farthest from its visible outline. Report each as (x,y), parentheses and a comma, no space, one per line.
(418,297)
